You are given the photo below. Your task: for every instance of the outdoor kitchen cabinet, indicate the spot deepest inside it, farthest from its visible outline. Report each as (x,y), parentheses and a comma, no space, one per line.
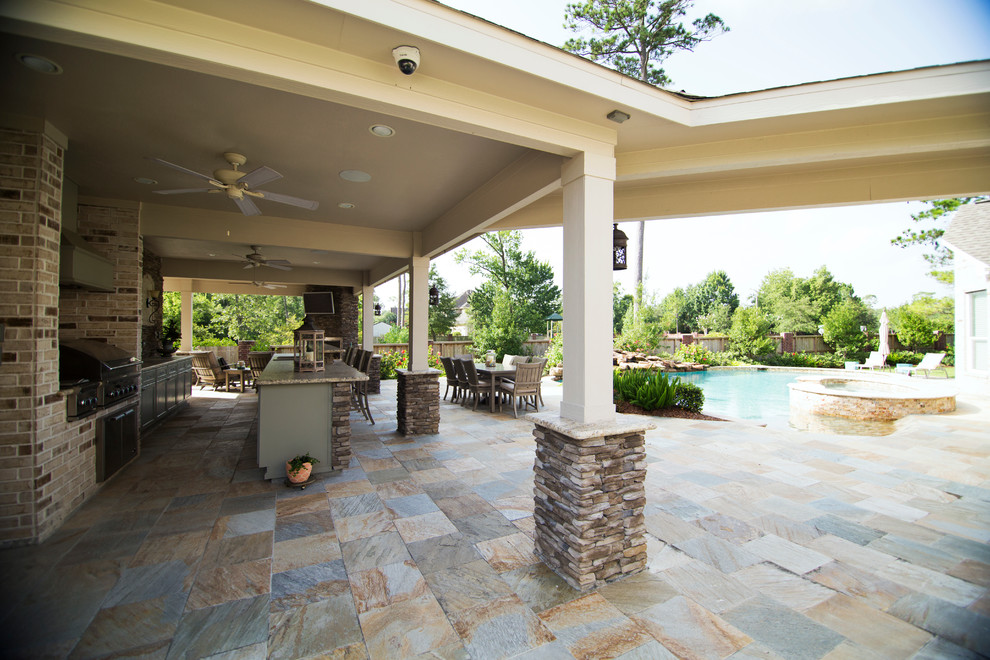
(165,385)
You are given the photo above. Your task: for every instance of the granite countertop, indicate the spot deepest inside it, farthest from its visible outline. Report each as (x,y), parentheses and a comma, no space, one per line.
(279,372)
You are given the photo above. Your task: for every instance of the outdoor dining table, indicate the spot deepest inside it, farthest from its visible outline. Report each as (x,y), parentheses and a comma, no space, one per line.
(495,374)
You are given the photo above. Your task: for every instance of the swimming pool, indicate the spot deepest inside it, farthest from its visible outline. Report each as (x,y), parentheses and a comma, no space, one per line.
(744,393)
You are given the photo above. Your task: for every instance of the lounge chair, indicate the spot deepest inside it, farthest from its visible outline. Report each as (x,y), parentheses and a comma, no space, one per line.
(875,361)
(931,362)
(207,369)
(257,361)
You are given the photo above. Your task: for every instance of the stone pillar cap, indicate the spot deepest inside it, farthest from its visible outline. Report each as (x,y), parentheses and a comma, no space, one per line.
(621,425)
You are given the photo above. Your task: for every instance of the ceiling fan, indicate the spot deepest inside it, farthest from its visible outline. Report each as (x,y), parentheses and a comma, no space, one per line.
(266,285)
(239,186)
(256,259)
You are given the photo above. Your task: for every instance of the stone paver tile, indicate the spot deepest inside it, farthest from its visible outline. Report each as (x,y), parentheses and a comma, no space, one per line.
(914,553)
(715,552)
(440,552)
(637,592)
(859,534)
(302,504)
(875,630)
(211,630)
(220,584)
(464,464)
(465,586)
(785,554)
(942,649)
(972,571)
(932,583)
(425,526)
(187,547)
(305,551)
(308,584)
(539,587)
(355,505)
(784,587)
(317,628)
(132,625)
(406,629)
(410,505)
(501,628)
(785,528)
(305,524)
(851,553)
(337,489)
(514,508)
(865,585)
(955,624)
(237,549)
(485,526)
(690,631)
(669,528)
(432,476)
(782,630)
(728,528)
(464,506)
(398,488)
(707,586)
(370,464)
(755,651)
(849,650)
(364,525)
(591,627)
(508,552)
(386,585)
(892,508)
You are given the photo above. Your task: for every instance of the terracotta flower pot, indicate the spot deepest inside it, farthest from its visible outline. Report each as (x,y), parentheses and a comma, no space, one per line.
(301,475)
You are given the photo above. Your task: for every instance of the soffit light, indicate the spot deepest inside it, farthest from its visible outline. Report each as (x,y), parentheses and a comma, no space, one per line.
(618,116)
(345,205)
(355,176)
(382,131)
(39,64)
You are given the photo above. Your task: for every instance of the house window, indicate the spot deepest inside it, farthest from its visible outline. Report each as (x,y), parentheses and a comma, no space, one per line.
(978,331)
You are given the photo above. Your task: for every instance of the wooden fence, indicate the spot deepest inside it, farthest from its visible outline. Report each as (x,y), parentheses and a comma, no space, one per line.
(450,348)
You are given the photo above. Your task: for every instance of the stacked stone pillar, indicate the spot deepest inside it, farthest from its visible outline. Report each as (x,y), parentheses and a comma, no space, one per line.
(590,494)
(418,402)
(340,422)
(375,375)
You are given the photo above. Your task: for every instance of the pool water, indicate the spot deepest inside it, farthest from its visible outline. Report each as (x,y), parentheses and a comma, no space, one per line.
(744,393)
(763,396)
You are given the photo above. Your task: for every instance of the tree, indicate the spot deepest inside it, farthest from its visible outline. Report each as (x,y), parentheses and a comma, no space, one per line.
(919,323)
(749,332)
(842,328)
(940,257)
(620,303)
(528,282)
(502,332)
(443,316)
(704,299)
(796,304)
(671,314)
(634,37)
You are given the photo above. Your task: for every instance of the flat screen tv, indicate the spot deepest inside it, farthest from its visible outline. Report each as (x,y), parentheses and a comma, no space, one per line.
(320,302)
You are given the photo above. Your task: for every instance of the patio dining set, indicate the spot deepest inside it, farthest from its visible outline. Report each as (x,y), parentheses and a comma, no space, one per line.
(517,379)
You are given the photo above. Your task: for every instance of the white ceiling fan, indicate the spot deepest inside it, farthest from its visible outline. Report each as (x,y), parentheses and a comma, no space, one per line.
(239,186)
(265,285)
(255,259)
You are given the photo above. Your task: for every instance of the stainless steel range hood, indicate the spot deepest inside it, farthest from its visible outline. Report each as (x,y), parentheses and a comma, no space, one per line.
(80,267)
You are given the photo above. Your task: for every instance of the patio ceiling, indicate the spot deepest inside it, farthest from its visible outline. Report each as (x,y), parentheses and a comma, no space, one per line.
(481,130)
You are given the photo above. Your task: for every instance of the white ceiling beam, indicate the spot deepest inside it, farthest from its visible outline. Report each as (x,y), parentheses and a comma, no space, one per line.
(231,271)
(238,229)
(526,180)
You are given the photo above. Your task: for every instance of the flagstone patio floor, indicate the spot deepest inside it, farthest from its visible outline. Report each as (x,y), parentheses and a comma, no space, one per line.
(763,543)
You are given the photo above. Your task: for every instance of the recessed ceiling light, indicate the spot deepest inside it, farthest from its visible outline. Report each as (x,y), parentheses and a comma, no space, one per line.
(39,63)
(381,130)
(345,205)
(212,254)
(145,180)
(355,176)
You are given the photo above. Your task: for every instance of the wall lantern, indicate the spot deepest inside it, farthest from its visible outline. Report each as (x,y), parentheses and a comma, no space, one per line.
(434,296)
(619,241)
(308,353)
(154,300)
(378,309)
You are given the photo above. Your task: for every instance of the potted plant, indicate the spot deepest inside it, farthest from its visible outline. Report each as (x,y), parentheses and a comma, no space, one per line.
(299,468)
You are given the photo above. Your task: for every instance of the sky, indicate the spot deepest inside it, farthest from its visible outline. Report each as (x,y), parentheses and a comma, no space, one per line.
(773,43)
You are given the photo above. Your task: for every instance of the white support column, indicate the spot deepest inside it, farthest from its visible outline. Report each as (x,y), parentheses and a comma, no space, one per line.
(186,318)
(419,309)
(367,315)
(587,291)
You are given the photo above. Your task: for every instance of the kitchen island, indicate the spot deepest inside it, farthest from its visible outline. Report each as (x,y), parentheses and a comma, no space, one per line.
(300,413)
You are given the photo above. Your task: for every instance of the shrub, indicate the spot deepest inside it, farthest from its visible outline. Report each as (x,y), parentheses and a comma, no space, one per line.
(698,353)
(808,360)
(656,393)
(689,397)
(626,383)
(841,329)
(400,360)
(555,352)
(904,357)
(633,344)
(749,332)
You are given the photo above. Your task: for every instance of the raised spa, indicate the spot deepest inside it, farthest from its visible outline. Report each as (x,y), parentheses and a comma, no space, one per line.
(875,397)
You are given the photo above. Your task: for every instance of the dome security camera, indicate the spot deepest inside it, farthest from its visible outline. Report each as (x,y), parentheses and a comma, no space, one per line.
(407,57)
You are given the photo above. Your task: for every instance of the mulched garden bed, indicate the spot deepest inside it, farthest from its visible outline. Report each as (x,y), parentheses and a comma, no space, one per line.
(632,409)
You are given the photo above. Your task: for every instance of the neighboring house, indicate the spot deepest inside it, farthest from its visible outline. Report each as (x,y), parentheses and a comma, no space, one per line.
(462,325)
(969,238)
(380,329)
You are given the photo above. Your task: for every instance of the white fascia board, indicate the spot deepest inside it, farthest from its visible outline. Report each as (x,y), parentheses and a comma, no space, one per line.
(865,91)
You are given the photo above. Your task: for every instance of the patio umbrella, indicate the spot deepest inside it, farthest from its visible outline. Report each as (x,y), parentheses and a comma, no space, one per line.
(884,347)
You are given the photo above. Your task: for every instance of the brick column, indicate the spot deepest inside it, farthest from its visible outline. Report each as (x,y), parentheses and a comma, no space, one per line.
(243,348)
(687,338)
(340,426)
(418,402)
(590,494)
(787,342)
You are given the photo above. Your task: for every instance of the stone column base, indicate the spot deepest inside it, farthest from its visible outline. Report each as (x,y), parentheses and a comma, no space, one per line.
(340,426)
(418,402)
(590,496)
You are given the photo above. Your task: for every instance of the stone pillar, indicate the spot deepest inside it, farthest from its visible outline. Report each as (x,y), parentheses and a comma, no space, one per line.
(375,375)
(418,401)
(340,423)
(590,494)
(243,348)
(687,338)
(787,342)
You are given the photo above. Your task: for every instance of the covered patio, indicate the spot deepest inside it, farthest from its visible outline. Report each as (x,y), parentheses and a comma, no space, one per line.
(762,543)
